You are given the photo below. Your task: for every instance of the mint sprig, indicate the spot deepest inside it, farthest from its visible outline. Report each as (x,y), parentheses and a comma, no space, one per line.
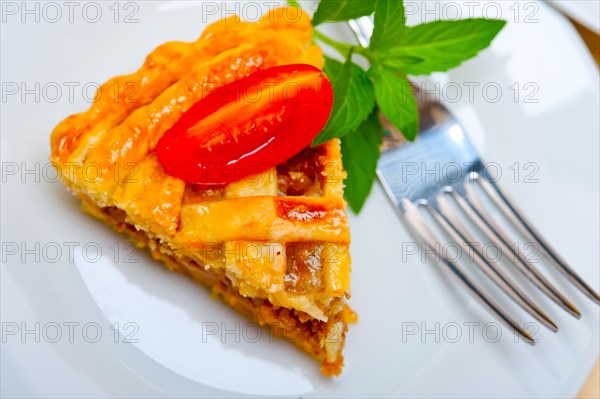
(395,99)
(390,22)
(396,50)
(353,99)
(437,46)
(362,147)
(342,10)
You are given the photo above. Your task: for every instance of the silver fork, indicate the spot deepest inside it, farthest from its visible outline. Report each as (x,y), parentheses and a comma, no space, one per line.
(442,141)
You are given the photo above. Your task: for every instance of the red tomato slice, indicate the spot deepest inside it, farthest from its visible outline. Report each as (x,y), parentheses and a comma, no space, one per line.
(248,126)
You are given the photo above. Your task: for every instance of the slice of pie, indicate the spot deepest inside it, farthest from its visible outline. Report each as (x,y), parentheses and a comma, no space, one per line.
(274,247)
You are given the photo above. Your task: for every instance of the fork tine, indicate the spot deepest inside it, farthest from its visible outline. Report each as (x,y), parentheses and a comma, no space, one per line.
(417,226)
(459,233)
(529,232)
(493,232)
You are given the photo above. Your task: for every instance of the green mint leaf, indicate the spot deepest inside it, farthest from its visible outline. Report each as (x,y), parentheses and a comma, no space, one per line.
(293,3)
(353,99)
(438,46)
(342,10)
(360,153)
(390,22)
(394,96)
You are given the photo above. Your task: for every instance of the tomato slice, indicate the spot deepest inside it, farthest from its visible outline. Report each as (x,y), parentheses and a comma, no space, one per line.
(248,126)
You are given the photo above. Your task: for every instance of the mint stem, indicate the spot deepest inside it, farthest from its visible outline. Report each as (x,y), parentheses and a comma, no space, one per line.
(342,48)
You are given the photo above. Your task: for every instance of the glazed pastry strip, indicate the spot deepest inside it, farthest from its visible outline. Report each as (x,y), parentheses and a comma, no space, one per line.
(265,218)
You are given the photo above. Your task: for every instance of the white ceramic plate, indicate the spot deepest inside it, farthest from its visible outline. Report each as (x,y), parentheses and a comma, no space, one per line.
(586,13)
(418,335)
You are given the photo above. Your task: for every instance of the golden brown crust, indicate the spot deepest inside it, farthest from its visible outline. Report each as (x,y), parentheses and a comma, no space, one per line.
(242,231)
